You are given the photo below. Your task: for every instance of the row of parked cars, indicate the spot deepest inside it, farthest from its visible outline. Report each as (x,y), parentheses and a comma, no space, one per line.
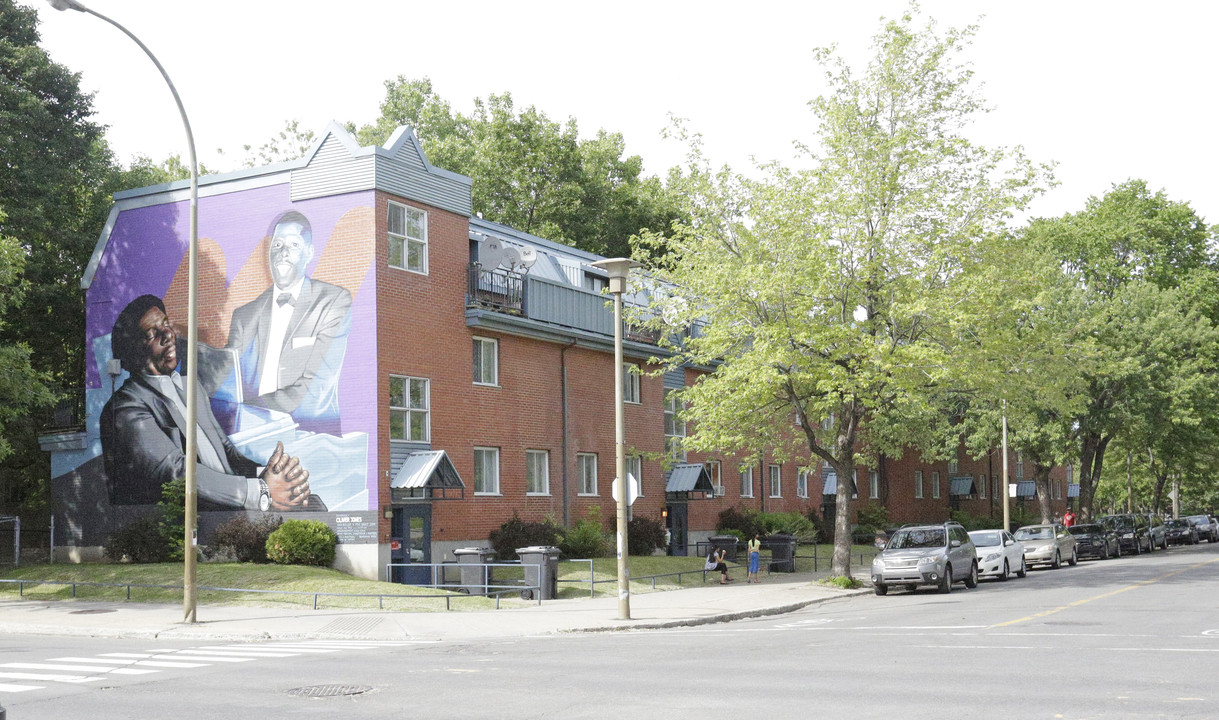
(944,554)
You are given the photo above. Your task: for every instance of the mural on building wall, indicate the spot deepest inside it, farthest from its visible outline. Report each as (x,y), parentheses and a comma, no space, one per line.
(286,416)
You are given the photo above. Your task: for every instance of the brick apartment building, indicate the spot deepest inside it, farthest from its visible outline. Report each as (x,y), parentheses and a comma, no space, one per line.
(471,380)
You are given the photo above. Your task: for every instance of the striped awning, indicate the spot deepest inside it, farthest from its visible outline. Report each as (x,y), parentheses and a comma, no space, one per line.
(689,477)
(829,481)
(961,485)
(1072,490)
(1026,488)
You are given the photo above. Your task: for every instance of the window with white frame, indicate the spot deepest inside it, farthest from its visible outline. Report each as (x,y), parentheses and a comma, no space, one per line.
(775,473)
(854,484)
(630,383)
(486,361)
(982,486)
(717,480)
(537,472)
(827,424)
(747,482)
(873,485)
(952,467)
(586,469)
(486,471)
(802,484)
(918,484)
(994,484)
(1019,466)
(675,427)
(409,409)
(935,484)
(634,468)
(407,238)
(1070,474)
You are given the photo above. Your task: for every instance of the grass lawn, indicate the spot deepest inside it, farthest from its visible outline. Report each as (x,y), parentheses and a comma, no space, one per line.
(648,574)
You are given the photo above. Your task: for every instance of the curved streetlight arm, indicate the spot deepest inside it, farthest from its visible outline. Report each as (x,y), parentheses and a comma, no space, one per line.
(189,592)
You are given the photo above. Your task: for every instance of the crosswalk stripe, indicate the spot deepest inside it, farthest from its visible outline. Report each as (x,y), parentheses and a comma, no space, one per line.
(48,676)
(168,664)
(92,660)
(84,668)
(5,687)
(213,658)
(202,654)
(273,649)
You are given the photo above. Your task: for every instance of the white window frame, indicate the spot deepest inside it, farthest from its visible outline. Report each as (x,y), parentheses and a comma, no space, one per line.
(873,485)
(855,484)
(675,427)
(918,484)
(982,487)
(634,466)
(1020,466)
(630,383)
(537,472)
(952,468)
(935,484)
(586,474)
(409,409)
(747,482)
(775,477)
(715,470)
(802,484)
(490,485)
(481,347)
(1070,474)
(405,240)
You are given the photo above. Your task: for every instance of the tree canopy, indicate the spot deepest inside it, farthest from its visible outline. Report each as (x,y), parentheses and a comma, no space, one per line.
(840,298)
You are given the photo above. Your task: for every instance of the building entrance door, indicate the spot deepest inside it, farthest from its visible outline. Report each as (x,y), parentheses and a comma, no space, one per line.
(411,544)
(678,527)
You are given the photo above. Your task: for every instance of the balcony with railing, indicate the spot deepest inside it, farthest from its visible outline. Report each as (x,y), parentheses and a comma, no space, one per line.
(553,307)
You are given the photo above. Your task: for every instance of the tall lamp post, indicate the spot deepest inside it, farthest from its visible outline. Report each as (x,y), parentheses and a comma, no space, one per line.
(1007,518)
(192,333)
(618,270)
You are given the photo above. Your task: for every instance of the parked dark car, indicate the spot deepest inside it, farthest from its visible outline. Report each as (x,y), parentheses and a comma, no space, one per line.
(1208,529)
(1180,531)
(1132,531)
(1096,540)
(1155,528)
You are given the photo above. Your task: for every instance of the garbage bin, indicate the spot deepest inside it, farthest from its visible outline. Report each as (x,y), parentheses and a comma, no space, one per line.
(782,552)
(541,565)
(727,543)
(475,575)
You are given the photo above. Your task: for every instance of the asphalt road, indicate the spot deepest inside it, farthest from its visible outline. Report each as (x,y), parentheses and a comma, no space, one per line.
(1132,637)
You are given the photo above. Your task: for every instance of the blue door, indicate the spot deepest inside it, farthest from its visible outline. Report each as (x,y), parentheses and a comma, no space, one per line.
(411,544)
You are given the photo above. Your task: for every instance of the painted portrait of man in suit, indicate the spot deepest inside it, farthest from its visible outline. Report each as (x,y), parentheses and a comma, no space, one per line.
(291,339)
(143,430)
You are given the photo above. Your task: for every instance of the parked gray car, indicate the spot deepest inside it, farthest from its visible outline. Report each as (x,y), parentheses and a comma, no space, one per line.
(937,555)
(1208,529)
(1047,544)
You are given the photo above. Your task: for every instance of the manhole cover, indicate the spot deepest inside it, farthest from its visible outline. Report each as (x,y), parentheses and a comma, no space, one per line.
(95,611)
(329,690)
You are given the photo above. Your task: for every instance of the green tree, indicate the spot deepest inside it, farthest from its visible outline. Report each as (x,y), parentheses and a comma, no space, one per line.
(1148,272)
(54,170)
(531,172)
(22,388)
(838,297)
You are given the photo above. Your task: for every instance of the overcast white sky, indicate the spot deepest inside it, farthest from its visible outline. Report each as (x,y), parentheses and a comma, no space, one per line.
(1108,89)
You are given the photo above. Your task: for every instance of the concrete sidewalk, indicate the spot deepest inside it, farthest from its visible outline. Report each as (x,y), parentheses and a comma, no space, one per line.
(709,603)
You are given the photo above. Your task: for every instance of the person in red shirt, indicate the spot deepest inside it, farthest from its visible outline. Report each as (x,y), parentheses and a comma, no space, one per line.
(1068,518)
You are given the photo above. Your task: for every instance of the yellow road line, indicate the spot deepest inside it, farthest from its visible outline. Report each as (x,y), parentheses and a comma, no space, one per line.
(1101,597)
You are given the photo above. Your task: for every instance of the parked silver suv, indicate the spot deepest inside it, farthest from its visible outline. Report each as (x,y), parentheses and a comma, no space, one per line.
(917,555)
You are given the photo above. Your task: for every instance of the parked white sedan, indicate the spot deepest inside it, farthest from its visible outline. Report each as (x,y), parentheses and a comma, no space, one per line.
(999,554)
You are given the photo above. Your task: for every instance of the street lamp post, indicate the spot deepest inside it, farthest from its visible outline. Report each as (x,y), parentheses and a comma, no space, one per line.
(1007,520)
(618,270)
(192,333)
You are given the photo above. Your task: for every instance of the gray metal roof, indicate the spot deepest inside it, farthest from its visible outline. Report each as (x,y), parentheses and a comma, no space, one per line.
(961,485)
(689,477)
(427,469)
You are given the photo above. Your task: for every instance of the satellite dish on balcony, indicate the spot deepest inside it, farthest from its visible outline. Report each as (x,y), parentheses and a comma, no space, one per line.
(512,258)
(529,255)
(491,254)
